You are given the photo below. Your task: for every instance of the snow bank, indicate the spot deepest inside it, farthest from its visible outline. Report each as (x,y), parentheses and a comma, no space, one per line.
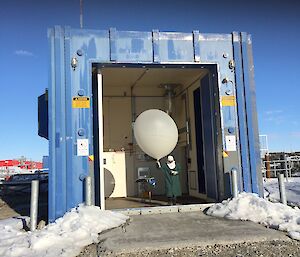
(292,188)
(249,206)
(66,237)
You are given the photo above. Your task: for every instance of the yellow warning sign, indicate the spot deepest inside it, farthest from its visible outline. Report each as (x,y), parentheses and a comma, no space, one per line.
(225,154)
(228,100)
(91,158)
(81,102)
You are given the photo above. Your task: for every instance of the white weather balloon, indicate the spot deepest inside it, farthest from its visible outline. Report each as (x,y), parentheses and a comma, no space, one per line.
(156,133)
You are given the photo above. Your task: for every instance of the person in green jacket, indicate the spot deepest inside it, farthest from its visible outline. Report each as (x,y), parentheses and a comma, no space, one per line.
(172,182)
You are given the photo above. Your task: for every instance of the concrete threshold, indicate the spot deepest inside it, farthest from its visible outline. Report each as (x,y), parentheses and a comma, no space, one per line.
(163,209)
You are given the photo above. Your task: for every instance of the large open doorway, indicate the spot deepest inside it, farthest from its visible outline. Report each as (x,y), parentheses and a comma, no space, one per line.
(187,94)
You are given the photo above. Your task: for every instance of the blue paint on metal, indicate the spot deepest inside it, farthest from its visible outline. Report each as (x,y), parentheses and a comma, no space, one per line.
(74,186)
(229,116)
(45,162)
(176,47)
(51,117)
(196,45)
(134,47)
(81,92)
(155,40)
(212,47)
(242,119)
(112,41)
(57,150)
(231,130)
(94,43)
(81,132)
(253,138)
(61,179)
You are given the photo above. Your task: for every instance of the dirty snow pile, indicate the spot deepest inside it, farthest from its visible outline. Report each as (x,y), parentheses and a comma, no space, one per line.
(249,206)
(66,237)
(292,188)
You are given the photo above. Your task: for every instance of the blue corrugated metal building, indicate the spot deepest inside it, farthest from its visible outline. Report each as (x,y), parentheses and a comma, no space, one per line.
(100,80)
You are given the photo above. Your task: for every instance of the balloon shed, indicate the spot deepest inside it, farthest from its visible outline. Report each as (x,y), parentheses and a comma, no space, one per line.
(102,80)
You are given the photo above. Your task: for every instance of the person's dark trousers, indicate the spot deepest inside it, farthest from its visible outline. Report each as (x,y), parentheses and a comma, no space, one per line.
(174,200)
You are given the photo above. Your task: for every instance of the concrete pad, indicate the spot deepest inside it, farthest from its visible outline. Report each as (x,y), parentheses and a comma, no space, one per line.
(161,231)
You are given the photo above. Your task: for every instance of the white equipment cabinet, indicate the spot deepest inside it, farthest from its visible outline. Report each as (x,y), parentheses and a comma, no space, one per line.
(114,162)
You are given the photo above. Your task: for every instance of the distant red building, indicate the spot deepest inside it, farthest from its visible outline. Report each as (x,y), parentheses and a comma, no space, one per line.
(27,165)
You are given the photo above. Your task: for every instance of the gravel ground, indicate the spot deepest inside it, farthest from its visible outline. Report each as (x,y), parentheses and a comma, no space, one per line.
(265,249)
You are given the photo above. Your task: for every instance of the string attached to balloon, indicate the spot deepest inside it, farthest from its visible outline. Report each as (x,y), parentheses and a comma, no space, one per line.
(156,133)
(158,164)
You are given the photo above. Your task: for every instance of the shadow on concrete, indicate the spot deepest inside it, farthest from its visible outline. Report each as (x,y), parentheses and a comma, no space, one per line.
(15,201)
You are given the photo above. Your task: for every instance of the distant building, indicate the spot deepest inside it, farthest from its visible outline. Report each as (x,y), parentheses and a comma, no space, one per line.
(22,164)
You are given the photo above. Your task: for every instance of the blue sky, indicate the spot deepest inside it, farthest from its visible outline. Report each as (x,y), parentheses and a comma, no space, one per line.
(24,57)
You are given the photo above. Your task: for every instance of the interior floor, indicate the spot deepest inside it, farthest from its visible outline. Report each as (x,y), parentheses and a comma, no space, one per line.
(138,202)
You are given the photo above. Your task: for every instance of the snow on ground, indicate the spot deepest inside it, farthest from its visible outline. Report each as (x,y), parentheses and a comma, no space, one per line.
(251,207)
(292,188)
(66,237)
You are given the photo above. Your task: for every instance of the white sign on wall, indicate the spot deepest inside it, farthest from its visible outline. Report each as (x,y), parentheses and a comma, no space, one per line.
(230,143)
(82,147)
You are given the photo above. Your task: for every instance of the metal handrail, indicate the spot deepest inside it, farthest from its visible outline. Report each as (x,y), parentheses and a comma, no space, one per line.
(275,166)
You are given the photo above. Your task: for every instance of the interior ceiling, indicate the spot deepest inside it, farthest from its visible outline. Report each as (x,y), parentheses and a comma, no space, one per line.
(152,77)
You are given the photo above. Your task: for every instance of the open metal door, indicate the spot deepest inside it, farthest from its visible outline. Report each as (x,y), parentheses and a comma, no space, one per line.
(205,141)
(199,141)
(98,140)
